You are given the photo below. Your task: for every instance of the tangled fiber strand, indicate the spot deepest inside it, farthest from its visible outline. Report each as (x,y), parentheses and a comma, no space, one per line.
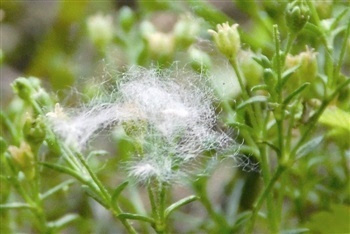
(170,115)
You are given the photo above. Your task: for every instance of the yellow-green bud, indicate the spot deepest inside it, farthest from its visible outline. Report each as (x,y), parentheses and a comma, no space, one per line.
(161,44)
(186,30)
(100,29)
(308,65)
(251,69)
(297,14)
(324,8)
(227,39)
(126,18)
(34,130)
(23,158)
(24,87)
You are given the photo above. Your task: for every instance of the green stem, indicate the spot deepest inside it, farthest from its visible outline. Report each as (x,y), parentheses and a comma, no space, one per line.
(263,196)
(245,94)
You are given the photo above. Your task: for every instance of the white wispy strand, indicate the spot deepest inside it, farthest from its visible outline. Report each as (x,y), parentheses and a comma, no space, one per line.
(170,113)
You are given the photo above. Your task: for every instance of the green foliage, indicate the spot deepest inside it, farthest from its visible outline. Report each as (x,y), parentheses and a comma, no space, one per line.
(279,72)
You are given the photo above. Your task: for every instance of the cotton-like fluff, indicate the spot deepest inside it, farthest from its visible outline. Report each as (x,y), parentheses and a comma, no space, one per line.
(170,115)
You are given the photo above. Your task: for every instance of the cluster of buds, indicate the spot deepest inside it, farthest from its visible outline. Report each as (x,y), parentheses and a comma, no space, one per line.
(307,62)
(307,71)
(23,158)
(227,39)
(30,89)
(297,15)
(34,130)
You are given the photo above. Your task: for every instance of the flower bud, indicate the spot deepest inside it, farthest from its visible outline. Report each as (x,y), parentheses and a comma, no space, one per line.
(227,39)
(100,29)
(22,88)
(23,158)
(186,30)
(161,44)
(34,130)
(324,8)
(297,14)
(308,65)
(251,69)
(126,18)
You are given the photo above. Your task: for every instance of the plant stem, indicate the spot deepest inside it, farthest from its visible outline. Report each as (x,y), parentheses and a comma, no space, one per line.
(245,94)
(263,196)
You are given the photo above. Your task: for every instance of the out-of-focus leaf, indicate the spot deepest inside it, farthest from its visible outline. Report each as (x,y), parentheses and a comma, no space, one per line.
(136,217)
(251,100)
(241,219)
(309,146)
(334,221)
(15,205)
(57,188)
(61,222)
(335,117)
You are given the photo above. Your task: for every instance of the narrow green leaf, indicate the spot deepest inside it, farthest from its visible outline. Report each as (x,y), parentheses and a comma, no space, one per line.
(94,196)
(96,153)
(56,189)
(286,75)
(15,205)
(117,191)
(309,146)
(239,125)
(63,221)
(338,18)
(241,219)
(251,100)
(259,87)
(64,170)
(179,203)
(295,93)
(136,217)
(271,145)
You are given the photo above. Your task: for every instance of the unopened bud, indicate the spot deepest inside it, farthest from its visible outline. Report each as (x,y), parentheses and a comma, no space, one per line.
(186,30)
(297,14)
(227,39)
(161,44)
(100,29)
(308,65)
(126,18)
(23,88)
(34,130)
(23,158)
